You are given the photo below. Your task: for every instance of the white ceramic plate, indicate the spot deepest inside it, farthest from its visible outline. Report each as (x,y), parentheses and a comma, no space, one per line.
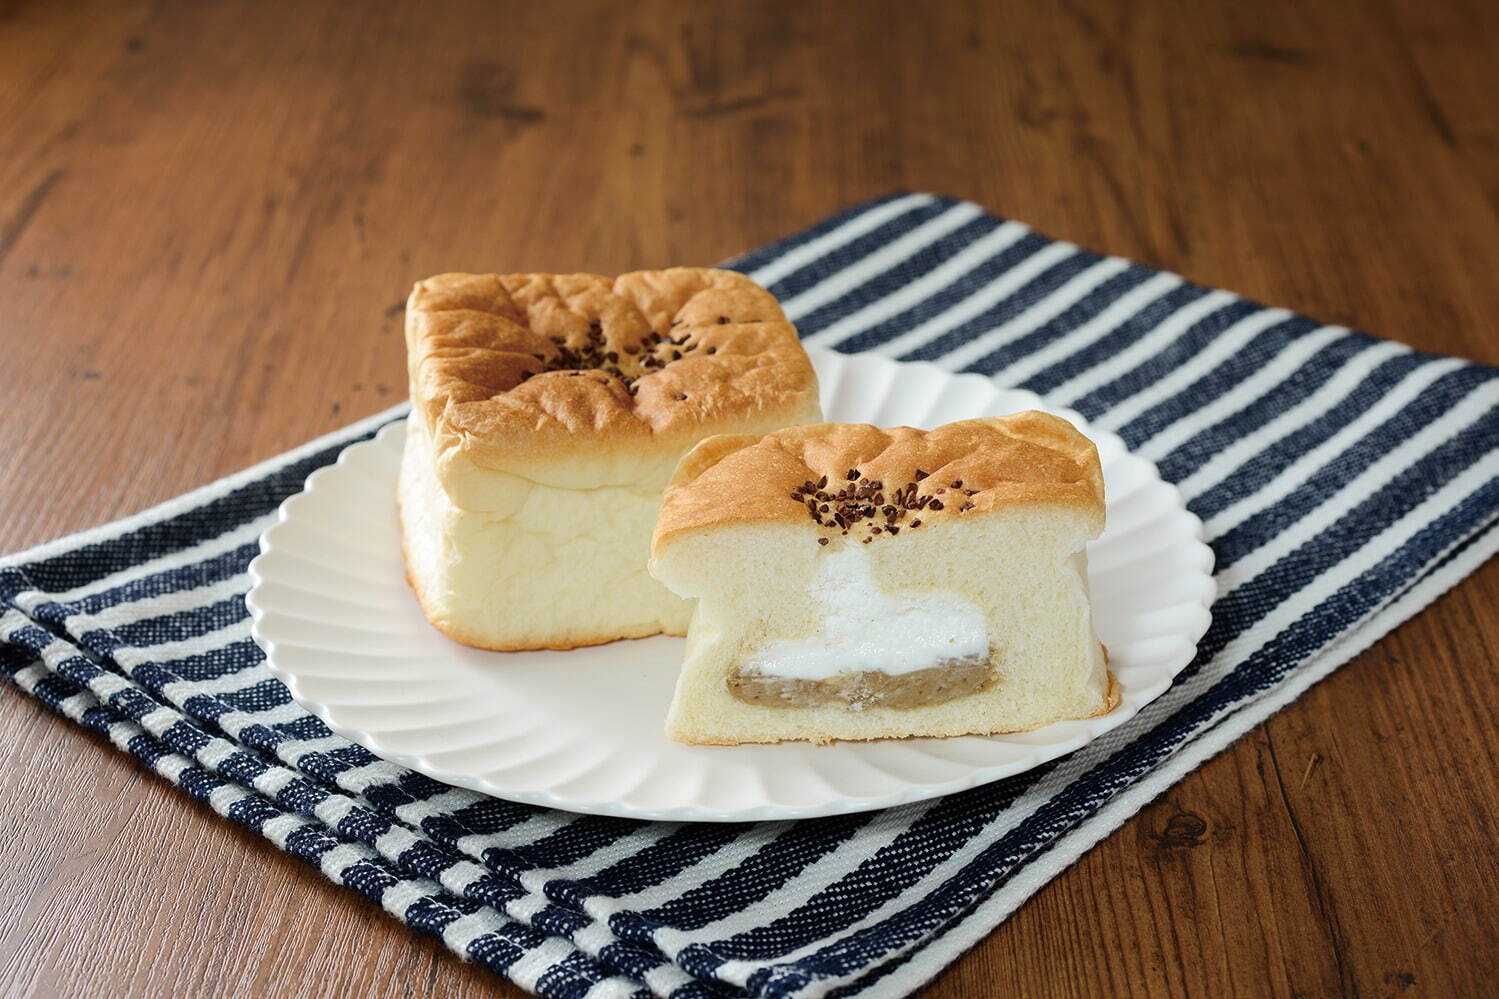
(581,730)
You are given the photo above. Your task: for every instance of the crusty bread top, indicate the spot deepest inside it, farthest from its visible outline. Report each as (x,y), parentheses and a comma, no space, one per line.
(521,370)
(861,481)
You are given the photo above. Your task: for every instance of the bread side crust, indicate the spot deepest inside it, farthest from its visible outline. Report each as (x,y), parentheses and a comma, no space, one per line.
(473,640)
(436,615)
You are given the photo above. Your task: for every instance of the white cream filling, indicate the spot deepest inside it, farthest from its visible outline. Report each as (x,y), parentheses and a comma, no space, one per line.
(865,628)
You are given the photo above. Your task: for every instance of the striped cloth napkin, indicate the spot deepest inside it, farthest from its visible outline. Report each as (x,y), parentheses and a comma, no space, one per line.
(1345,482)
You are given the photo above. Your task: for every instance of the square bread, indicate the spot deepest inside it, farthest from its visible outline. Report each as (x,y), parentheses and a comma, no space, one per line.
(548,412)
(859,583)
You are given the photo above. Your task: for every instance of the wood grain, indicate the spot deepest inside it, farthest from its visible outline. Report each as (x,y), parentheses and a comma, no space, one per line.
(209,214)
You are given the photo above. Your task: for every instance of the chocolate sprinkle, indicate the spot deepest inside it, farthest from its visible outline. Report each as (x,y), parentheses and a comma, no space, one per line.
(593,354)
(860,499)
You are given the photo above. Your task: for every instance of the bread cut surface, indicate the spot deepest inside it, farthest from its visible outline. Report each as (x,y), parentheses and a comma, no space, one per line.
(548,412)
(859,583)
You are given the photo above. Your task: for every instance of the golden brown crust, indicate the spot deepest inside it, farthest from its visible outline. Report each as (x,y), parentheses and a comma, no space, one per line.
(958,470)
(509,368)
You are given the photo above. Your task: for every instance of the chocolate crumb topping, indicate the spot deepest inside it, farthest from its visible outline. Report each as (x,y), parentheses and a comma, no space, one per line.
(861,500)
(594,354)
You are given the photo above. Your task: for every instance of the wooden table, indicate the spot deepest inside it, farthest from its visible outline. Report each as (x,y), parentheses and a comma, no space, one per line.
(210,215)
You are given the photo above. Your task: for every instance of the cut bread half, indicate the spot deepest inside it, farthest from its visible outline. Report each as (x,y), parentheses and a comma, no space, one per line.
(857,583)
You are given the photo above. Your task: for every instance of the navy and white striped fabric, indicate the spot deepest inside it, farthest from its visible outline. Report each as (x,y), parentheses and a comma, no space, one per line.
(1345,482)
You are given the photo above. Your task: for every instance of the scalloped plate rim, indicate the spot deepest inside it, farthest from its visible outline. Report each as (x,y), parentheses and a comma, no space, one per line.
(1132,700)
